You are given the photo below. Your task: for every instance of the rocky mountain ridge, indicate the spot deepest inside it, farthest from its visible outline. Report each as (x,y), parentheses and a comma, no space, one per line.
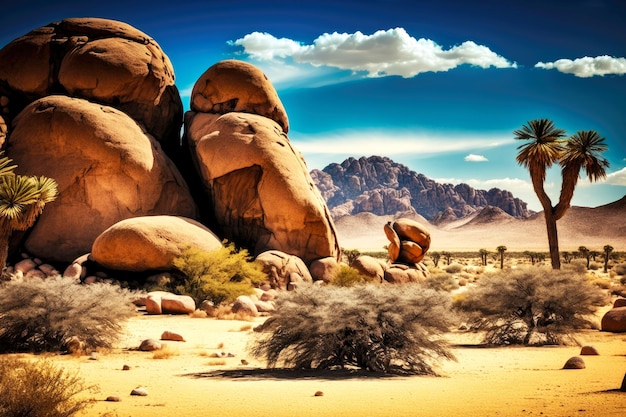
(381,186)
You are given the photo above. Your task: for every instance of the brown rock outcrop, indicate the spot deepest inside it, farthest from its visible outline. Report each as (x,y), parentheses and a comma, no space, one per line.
(283,269)
(107,169)
(614,320)
(408,241)
(237,86)
(262,194)
(150,242)
(101,60)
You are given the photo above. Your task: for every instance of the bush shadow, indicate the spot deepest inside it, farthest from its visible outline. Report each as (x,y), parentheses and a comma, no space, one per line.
(289,374)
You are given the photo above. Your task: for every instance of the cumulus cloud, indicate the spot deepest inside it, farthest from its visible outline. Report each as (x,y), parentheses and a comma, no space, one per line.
(617,178)
(588,66)
(383,53)
(475,158)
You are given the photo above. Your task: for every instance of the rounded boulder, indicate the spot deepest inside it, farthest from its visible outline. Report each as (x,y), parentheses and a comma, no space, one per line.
(150,242)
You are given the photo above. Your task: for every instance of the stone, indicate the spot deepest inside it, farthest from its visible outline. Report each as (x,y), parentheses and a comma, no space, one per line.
(575,362)
(177,304)
(25,266)
(620,302)
(126,368)
(262,194)
(151,242)
(48,269)
(104,61)
(281,268)
(175,337)
(152,302)
(589,350)
(150,345)
(614,320)
(408,241)
(74,345)
(370,267)
(114,398)
(623,386)
(244,305)
(318,394)
(140,391)
(264,306)
(107,170)
(238,86)
(324,269)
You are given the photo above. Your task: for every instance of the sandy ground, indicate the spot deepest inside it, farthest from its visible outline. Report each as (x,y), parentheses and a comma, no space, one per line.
(510,381)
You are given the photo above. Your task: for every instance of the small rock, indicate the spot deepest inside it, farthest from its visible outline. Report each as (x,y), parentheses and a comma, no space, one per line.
(150,345)
(140,391)
(114,398)
(575,362)
(125,368)
(93,356)
(244,362)
(620,302)
(623,387)
(319,394)
(589,350)
(167,335)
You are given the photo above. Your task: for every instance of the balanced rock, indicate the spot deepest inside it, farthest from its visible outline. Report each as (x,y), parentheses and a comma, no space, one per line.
(102,60)
(281,269)
(151,242)
(106,167)
(237,86)
(614,320)
(408,241)
(263,196)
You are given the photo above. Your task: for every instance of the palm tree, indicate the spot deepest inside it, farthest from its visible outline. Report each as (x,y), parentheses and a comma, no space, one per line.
(546,147)
(607,251)
(584,252)
(501,250)
(483,256)
(22,199)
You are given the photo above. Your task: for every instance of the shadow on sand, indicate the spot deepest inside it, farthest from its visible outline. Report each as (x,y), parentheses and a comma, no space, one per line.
(287,374)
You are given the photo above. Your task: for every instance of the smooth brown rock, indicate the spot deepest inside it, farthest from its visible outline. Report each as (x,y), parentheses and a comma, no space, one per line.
(370,267)
(107,169)
(173,336)
(102,60)
(149,345)
(589,350)
(324,269)
(620,302)
(263,196)
(614,320)
(575,362)
(151,242)
(177,304)
(282,268)
(238,86)
(245,305)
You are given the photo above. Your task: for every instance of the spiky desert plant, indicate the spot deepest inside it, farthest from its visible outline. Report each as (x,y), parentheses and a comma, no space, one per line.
(391,329)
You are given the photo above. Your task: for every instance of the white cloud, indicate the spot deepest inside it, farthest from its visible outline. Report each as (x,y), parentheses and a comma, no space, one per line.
(617,177)
(588,66)
(475,158)
(384,53)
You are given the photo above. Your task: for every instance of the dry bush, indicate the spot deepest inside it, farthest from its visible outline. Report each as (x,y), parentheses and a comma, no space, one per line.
(347,277)
(441,282)
(165,352)
(42,315)
(220,362)
(39,389)
(619,269)
(219,276)
(532,305)
(454,268)
(392,329)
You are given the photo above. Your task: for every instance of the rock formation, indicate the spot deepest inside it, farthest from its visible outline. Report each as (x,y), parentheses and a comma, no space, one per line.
(381,186)
(107,169)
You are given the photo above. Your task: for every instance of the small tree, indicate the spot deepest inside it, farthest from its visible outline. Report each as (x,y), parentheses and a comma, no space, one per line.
(501,250)
(584,253)
(567,257)
(447,255)
(483,253)
(607,252)
(436,256)
(533,305)
(219,276)
(351,255)
(393,329)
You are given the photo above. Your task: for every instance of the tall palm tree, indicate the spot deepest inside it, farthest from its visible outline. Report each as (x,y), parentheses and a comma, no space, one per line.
(546,147)
(584,252)
(22,199)
(501,250)
(607,252)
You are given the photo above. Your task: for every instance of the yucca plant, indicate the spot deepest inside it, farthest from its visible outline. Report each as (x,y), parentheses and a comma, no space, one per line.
(22,199)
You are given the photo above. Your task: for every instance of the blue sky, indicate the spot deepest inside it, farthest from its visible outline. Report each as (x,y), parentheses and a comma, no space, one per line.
(438,86)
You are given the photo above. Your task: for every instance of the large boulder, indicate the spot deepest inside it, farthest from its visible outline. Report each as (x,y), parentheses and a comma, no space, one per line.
(614,320)
(237,86)
(262,194)
(408,241)
(107,169)
(283,269)
(150,242)
(370,267)
(102,60)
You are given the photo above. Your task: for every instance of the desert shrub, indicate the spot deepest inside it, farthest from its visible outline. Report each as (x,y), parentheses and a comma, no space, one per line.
(392,329)
(576,265)
(532,305)
(348,277)
(454,268)
(39,389)
(351,254)
(42,315)
(441,282)
(619,269)
(219,276)
(594,266)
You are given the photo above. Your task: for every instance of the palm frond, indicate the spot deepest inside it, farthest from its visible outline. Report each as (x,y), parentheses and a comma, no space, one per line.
(583,150)
(5,167)
(544,147)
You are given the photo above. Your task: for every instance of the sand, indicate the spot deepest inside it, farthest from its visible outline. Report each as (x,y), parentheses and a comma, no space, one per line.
(507,381)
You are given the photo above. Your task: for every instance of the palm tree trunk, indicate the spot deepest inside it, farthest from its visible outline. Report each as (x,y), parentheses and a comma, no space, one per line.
(570,179)
(4,250)
(553,239)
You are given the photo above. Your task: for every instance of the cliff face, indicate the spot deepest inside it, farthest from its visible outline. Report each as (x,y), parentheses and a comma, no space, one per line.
(381,186)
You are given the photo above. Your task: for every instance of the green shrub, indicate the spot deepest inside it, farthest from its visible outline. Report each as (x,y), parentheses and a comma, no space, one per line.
(219,276)
(392,329)
(39,389)
(532,305)
(348,277)
(42,315)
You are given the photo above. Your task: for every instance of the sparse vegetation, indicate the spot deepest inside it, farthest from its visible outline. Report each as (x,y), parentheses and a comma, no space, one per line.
(219,276)
(350,254)
(43,315)
(393,329)
(441,282)
(501,250)
(533,305)
(348,277)
(39,389)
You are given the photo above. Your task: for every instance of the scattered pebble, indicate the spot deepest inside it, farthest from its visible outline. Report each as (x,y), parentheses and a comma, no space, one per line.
(319,394)
(114,398)
(140,391)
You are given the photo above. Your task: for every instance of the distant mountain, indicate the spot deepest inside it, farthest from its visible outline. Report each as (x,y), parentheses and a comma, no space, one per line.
(381,186)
